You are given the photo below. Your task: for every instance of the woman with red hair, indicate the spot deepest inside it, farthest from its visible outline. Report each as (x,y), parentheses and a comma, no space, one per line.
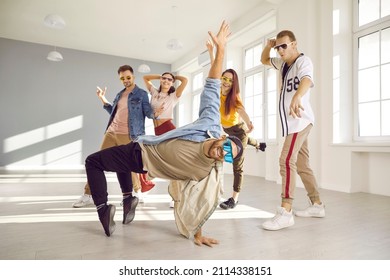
(235,122)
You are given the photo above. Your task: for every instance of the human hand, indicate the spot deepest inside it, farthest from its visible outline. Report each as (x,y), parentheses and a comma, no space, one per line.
(209,45)
(296,107)
(271,43)
(159,110)
(101,93)
(199,240)
(222,36)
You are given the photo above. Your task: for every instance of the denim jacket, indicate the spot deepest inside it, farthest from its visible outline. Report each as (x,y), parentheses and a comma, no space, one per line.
(139,108)
(208,124)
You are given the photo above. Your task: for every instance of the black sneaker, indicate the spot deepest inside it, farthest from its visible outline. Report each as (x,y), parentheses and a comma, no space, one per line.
(129,205)
(106,217)
(228,204)
(261,147)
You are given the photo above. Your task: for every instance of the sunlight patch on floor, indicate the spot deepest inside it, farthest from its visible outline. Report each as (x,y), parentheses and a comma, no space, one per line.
(156,208)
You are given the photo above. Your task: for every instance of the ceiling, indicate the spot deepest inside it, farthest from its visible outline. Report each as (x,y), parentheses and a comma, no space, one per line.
(128,28)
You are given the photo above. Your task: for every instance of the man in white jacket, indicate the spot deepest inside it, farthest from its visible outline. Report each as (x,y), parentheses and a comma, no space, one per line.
(297,119)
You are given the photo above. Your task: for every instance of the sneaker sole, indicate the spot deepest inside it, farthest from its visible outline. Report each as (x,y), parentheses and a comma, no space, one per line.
(111,223)
(130,216)
(225,207)
(275,229)
(82,205)
(309,216)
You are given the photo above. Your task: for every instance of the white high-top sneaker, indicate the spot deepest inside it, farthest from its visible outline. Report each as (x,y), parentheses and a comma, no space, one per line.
(282,219)
(83,201)
(314,210)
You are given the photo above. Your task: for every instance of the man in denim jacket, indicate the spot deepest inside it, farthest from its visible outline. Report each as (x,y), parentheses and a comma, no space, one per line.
(127,122)
(186,153)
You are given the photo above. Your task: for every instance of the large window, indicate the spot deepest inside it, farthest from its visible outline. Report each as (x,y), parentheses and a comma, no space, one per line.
(197,86)
(372,70)
(260,83)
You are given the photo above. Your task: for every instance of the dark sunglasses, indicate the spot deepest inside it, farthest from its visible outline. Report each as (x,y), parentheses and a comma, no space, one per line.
(125,78)
(167,78)
(283,46)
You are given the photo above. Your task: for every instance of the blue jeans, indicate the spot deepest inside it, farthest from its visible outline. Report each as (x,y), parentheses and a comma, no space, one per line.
(120,159)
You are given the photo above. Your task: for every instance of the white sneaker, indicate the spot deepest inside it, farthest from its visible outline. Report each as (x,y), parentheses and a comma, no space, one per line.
(282,219)
(314,210)
(83,201)
(140,197)
(172,204)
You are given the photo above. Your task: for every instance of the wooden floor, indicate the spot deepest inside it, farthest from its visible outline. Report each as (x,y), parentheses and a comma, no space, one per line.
(37,222)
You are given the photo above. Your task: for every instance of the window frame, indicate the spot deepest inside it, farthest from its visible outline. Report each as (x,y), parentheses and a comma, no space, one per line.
(195,93)
(359,32)
(263,69)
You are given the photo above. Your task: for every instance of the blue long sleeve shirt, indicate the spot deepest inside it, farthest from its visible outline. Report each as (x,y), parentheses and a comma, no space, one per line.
(208,124)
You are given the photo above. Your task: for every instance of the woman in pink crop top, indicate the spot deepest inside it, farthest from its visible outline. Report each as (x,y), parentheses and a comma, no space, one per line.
(166,95)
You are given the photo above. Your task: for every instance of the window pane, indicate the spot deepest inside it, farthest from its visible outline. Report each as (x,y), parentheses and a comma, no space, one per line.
(258,104)
(195,107)
(369,85)
(271,126)
(249,86)
(248,59)
(385,87)
(258,83)
(257,54)
(336,95)
(385,8)
(258,131)
(386,118)
(385,45)
(271,104)
(369,50)
(181,114)
(369,119)
(249,106)
(271,80)
(368,11)
(197,82)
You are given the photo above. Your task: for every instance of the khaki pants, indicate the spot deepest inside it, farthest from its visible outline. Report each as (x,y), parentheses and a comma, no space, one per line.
(294,159)
(112,140)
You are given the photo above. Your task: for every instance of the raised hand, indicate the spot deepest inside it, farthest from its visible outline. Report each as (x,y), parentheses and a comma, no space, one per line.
(222,36)
(100,92)
(102,95)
